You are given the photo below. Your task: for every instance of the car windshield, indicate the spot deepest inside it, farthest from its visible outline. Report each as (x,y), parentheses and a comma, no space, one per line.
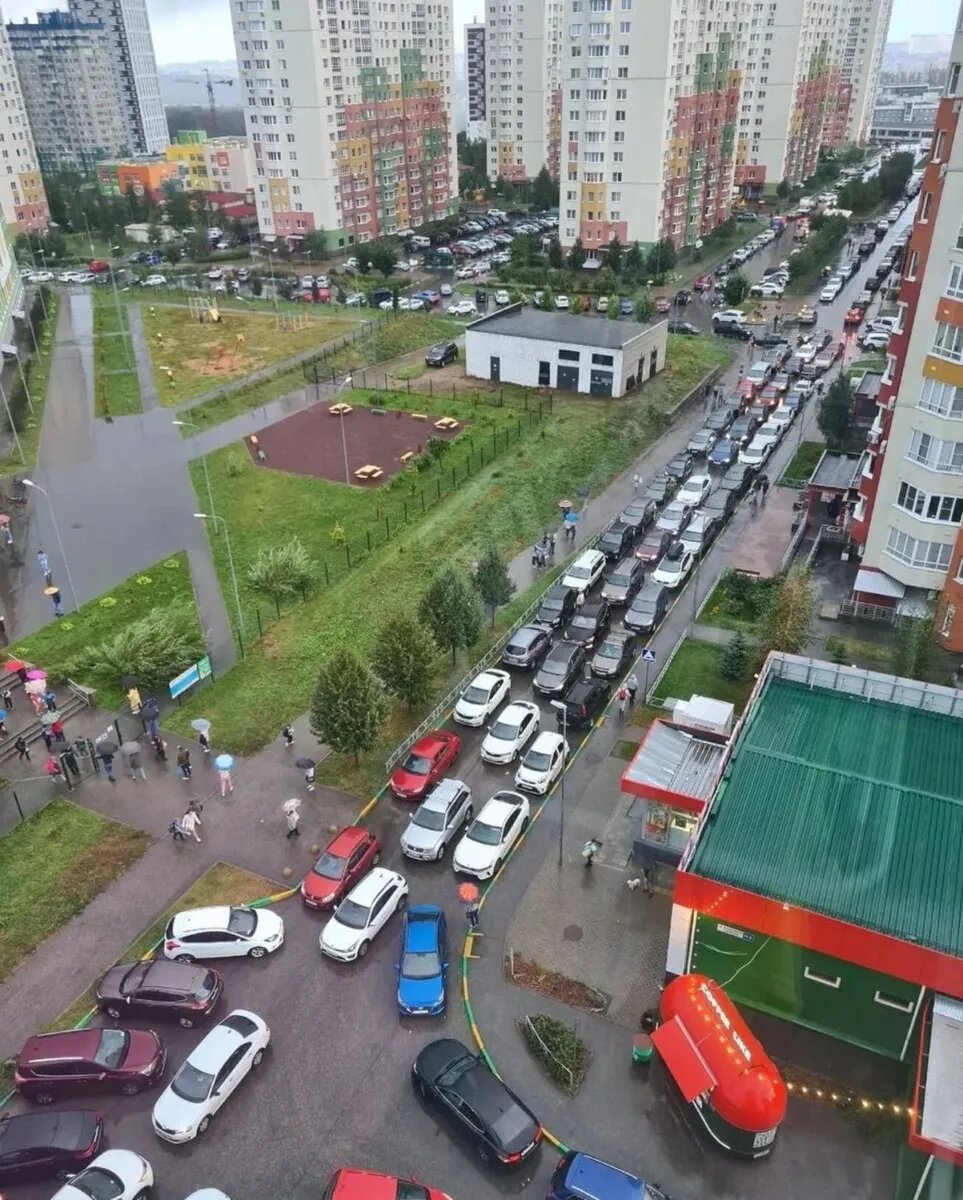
(416,764)
(618,579)
(429,818)
(352,914)
(584,622)
(424,965)
(98,1184)
(579,572)
(112,1047)
(535,760)
(192,1085)
(552,666)
(243,921)
(505,731)
(476,695)
(488,835)
(552,603)
(610,650)
(644,606)
(330,866)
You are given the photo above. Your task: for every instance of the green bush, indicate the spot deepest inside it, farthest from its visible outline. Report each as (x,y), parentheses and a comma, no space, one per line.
(558,1048)
(153,649)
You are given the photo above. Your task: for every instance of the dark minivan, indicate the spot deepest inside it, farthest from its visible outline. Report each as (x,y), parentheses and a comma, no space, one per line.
(617,540)
(584,703)
(648,609)
(557,605)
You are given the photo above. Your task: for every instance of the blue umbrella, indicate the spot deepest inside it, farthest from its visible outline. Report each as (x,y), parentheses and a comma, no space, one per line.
(224,762)
(3,714)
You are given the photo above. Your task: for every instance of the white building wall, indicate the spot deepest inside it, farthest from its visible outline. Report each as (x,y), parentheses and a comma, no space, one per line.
(476,71)
(520,358)
(864,26)
(23,201)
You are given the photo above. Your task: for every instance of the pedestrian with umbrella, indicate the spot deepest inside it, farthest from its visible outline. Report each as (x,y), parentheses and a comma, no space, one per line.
(105,752)
(469,894)
(292,812)
(135,765)
(4,732)
(56,599)
(7,697)
(203,727)
(224,763)
(23,751)
(307,765)
(183,762)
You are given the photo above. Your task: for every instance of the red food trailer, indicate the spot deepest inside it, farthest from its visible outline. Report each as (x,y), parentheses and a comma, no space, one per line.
(719,1066)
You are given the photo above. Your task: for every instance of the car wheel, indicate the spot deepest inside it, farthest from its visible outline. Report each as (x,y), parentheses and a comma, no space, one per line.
(376,859)
(525,824)
(441,852)
(142,1195)
(42,1098)
(402,902)
(188,958)
(469,813)
(257,952)
(131,1088)
(363,949)
(185,1022)
(113,1012)
(257,1059)
(204,1125)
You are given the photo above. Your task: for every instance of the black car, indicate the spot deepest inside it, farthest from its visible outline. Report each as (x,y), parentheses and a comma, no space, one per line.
(623,581)
(639,515)
(48,1144)
(161,990)
(683,327)
(442,354)
(590,624)
(766,340)
(562,664)
(614,655)
(584,704)
(679,467)
(682,296)
(719,421)
(701,442)
(654,546)
(617,540)
(557,605)
(662,488)
(648,609)
(626,307)
(700,534)
(484,1109)
(724,453)
(742,429)
(720,505)
(528,646)
(739,333)
(737,479)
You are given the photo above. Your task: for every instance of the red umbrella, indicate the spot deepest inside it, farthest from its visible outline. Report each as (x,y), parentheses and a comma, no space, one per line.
(468,892)
(565,504)
(13,664)
(4,519)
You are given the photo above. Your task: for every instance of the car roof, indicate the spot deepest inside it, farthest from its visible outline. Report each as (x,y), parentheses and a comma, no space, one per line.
(219,1043)
(587,558)
(68,1043)
(528,633)
(171,976)
(347,840)
(437,739)
(625,564)
(421,927)
(192,919)
(62,1130)
(490,678)
(563,650)
(370,886)
(442,794)
(356,1184)
(591,1179)
(518,708)
(546,740)
(500,806)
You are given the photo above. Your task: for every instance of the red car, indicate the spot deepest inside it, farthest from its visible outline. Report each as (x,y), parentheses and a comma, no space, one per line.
(350,1183)
(663,304)
(854,317)
(427,760)
(352,854)
(770,395)
(56,1066)
(703,283)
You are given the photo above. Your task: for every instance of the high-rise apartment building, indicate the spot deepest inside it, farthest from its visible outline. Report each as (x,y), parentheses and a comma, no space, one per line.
(130,47)
(863,26)
(523,53)
(23,201)
(477,82)
(348,107)
(908,522)
(70,91)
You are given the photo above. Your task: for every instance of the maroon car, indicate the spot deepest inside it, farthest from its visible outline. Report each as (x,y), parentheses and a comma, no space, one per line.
(48,1144)
(352,854)
(427,760)
(656,543)
(57,1066)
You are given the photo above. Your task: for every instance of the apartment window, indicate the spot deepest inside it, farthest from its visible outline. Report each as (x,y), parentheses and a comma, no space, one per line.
(544,374)
(603,360)
(568,355)
(942,398)
(623,51)
(914,262)
(954,286)
(948,342)
(616,176)
(575,30)
(953,82)
(925,205)
(947,509)
(621,93)
(622,73)
(939,145)
(598,29)
(620,114)
(598,51)
(936,453)
(915,552)
(625,26)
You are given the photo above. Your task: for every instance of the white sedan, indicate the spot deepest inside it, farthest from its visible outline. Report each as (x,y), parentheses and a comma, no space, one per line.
(211,1072)
(362,913)
(482,696)
(676,564)
(490,837)
(561,303)
(768,288)
(544,761)
(463,308)
(119,1174)
(694,490)
(465,272)
(502,297)
(155,281)
(515,727)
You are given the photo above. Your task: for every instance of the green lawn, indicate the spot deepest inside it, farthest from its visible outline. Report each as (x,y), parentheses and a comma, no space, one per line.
(695,671)
(51,867)
(54,645)
(803,462)
(116,390)
(37,372)
(506,504)
(737,602)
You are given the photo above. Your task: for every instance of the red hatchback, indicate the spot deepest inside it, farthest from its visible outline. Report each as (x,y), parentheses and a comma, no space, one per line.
(56,1066)
(703,283)
(349,1183)
(352,854)
(425,763)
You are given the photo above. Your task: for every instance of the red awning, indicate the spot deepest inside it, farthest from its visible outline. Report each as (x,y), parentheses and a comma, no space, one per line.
(680,1054)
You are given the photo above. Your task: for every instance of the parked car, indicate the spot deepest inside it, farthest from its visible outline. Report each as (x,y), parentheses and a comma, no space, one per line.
(47,1145)
(542,764)
(728,316)
(589,624)
(622,581)
(737,479)
(723,453)
(528,646)
(647,611)
(557,605)
(653,546)
(662,488)
(347,858)
(639,515)
(675,517)
(562,664)
(119,1174)
(719,421)
(59,1066)
(584,703)
(160,990)
(616,540)
(578,1176)
(488,841)
(463,308)
(362,914)
(742,429)
(512,730)
(211,1073)
(626,308)
(482,697)
(700,532)
(675,567)
(223,931)
(679,466)
(614,655)
(425,763)
(663,304)
(701,443)
(434,823)
(739,333)
(695,489)
(422,966)
(585,572)
(441,354)
(686,328)
(757,452)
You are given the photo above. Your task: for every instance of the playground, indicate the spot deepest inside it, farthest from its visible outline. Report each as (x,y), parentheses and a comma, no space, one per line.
(197,346)
(349,443)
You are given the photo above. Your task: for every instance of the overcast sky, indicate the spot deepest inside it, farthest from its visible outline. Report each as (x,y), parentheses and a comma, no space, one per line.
(199,30)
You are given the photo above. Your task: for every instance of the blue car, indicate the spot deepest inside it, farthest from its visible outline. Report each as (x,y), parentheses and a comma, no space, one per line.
(723,453)
(580,1177)
(423,965)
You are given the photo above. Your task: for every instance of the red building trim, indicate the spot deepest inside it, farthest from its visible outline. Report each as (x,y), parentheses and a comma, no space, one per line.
(826,935)
(916,1139)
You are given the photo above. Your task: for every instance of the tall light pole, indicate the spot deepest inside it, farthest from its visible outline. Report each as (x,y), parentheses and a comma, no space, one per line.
(345,383)
(560,705)
(207,478)
(60,543)
(230,560)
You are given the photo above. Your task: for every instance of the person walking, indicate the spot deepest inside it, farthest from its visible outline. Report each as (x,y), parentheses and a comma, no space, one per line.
(176,832)
(7,697)
(23,750)
(293,816)
(647,873)
(632,686)
(160,748)
(288,734)
(57,601)
(50,700)
(44,562)
(623,702)
(136,766)
(227,783)
(204,738)
(636,481)
(53,768)
(472,913)
(183,762)
(764,486)
(108,761)
(47,737)
(57,729)
(189,823)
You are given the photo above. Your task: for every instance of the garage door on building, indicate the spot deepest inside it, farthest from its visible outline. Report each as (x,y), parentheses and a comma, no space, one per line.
(600,383)
(566,379)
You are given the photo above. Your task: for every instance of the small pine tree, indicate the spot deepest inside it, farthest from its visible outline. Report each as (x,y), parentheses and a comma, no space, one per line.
(494,584)
(735,658)
(348,705)
(403,656)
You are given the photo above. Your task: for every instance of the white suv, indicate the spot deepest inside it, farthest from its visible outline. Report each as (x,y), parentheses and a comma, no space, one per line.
(585,572)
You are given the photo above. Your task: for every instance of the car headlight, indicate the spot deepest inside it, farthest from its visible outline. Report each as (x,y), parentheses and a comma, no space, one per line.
(275,937)
(145,1170)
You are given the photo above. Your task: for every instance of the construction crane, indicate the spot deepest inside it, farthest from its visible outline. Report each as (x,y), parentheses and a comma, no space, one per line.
(212,103)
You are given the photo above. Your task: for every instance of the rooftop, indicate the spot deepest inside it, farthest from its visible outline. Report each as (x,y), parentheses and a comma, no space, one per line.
(838,471)
(674,759)
(518,321)
(845,803)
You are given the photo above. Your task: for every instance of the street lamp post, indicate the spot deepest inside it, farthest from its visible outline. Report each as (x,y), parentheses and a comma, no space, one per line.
(230,559)
(345,383)
(60,543)
(559,704)
(207,477)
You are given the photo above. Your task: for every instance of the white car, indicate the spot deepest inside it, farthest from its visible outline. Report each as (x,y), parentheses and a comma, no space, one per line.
(209,1194)
(694,490)
(356,300)
(388,305)
(502,297)
(155,281)
(874,340)
(67,277)
(830,292)
(806,352)
(482,696)
(217,273)
(486,843)
(544,761)
(729,316)
(362,913)
(84,277)
(436,820)
(445,289)
(463,308)
(883,325)
(561,303)
(118,1174)
(768,288)
(223,932)
(43,276)
(211,1072)
(674,567)
(515,726)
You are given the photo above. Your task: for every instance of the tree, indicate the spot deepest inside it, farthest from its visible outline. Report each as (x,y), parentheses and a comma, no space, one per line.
(281,572)
(155,234)
(403,656)
(735,289)
(548,301)
(383,257)
(735,658)
(493,582)
(153,649)
(177,208)
(521,250)
(362,253)
(835,416)
(645,307)
(544,190)
(575,306)
(634,261)
(612,310)
(661,258)
(450,611)
(348,705)
(555,258)
(894,175)
(257,284)
(613,256)
(782,189)
(315,245)
(915,648)
(788,621)
(576,256)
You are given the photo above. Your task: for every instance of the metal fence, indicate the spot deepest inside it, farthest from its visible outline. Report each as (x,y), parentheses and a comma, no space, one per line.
(879,613)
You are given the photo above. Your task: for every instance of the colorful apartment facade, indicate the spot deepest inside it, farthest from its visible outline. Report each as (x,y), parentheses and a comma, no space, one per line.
(190,159)
(23,200)
(145,177)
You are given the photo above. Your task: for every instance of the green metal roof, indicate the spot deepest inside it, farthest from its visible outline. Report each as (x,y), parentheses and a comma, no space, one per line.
(845,807)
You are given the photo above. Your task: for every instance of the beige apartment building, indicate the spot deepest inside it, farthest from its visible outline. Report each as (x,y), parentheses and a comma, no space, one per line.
(23,201)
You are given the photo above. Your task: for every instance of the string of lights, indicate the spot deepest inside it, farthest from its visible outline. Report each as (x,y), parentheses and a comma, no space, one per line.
(849,1100)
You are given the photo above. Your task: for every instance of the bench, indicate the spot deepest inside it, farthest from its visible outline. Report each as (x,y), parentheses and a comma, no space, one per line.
(420,416)
(407,456)
(446,424)
(368,472)
(340,410)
